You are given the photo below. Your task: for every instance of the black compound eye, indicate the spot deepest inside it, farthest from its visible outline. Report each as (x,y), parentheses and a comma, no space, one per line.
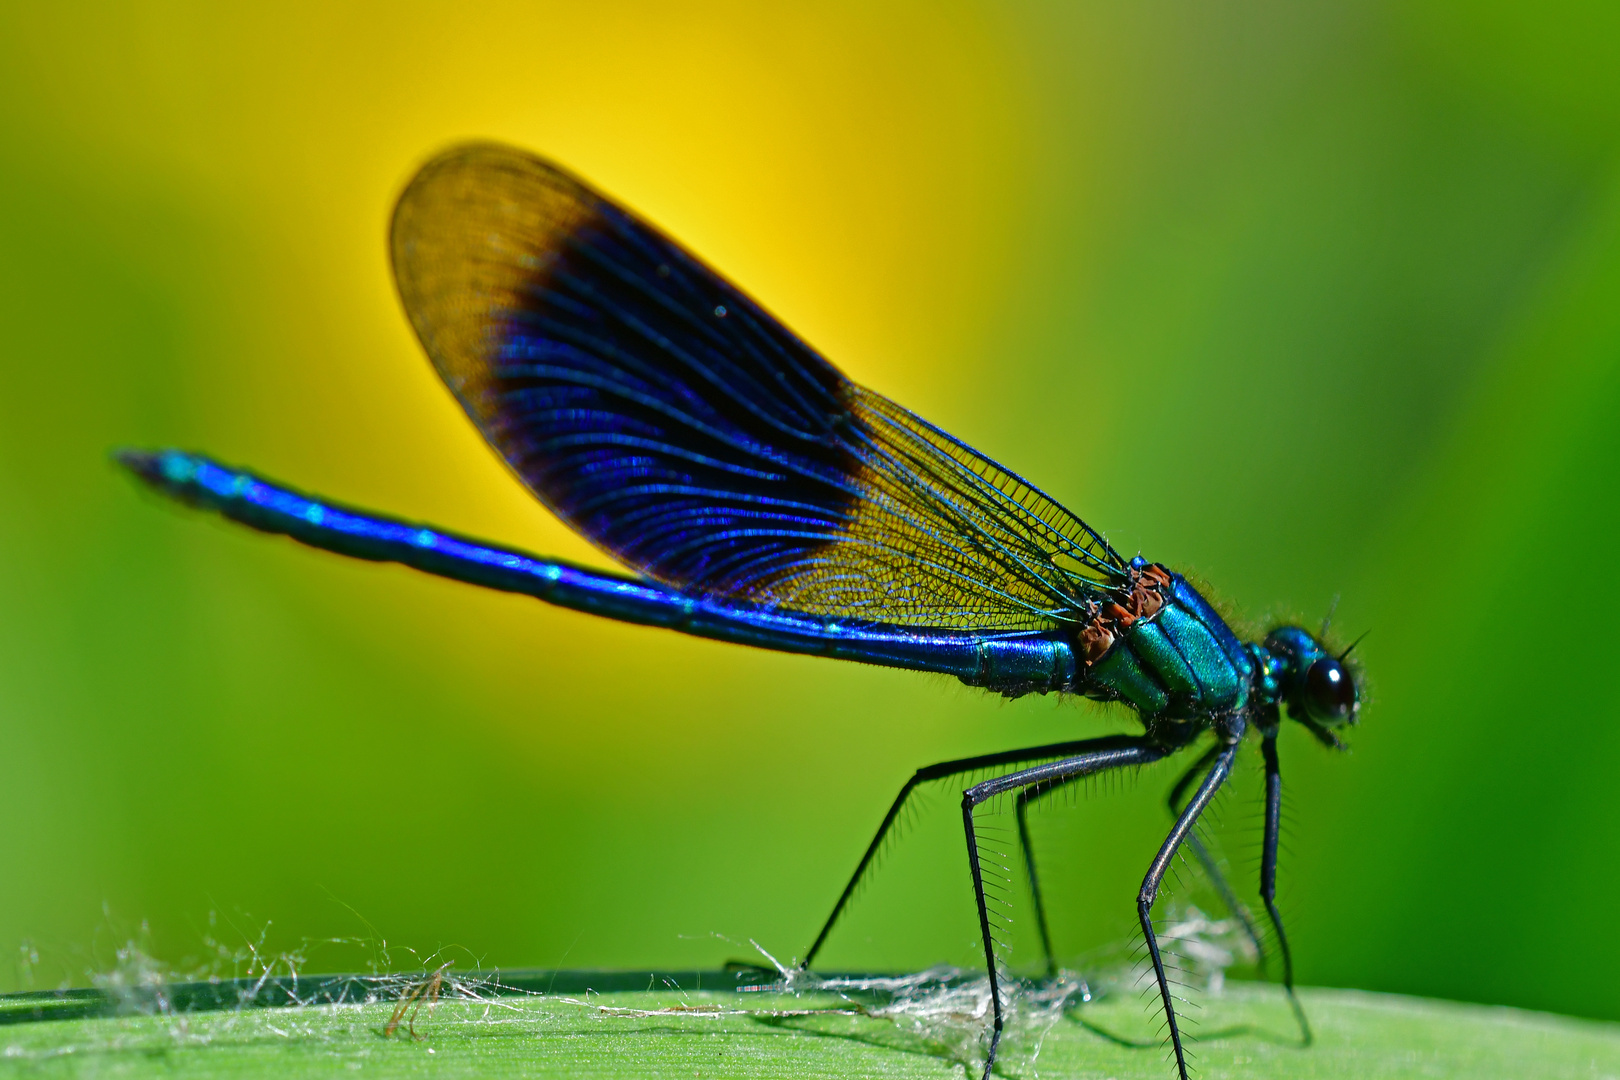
(1330,692)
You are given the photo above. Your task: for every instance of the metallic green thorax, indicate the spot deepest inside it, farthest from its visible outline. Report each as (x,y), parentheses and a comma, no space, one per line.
(1177,660)
(1158,646)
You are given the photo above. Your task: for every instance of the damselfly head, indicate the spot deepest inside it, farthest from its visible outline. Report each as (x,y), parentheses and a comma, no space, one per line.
(1318,688)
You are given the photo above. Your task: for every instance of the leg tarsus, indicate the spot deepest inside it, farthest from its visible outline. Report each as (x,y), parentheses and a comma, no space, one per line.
(1220,768)
(984,928)
(1144,912)
(1268,879)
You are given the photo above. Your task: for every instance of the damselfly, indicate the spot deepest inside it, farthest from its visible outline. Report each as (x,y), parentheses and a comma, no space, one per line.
(761,497)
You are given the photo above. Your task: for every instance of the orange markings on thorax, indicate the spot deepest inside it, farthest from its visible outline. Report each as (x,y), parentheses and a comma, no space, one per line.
(1143,599)
(1147,596)
(1096,638)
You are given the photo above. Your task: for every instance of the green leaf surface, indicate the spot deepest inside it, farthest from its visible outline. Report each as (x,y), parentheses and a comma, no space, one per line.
(1244,1032)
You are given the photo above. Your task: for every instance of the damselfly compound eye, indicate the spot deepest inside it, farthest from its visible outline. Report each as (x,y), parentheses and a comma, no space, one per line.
(1330,692)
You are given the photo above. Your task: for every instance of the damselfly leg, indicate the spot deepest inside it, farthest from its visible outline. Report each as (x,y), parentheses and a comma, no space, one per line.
(1206,859)
(1119,752)
(1219,770)
(1025,797)
(1268,876)
(944,771)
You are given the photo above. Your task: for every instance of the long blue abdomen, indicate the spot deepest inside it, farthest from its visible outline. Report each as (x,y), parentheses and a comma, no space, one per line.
(1011,664)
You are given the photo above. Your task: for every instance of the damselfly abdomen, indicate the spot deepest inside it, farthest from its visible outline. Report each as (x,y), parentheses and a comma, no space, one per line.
(761,497)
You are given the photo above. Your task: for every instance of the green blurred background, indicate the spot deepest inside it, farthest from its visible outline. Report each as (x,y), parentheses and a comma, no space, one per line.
(1304,299)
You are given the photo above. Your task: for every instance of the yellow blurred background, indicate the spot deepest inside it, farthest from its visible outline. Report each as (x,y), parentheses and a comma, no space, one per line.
(1306,301)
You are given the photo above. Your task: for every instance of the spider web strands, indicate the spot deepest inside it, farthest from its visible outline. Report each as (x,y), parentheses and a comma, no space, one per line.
(670,419)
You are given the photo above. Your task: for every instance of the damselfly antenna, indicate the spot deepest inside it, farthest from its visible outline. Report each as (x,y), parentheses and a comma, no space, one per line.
(1349,648)
(1327,620)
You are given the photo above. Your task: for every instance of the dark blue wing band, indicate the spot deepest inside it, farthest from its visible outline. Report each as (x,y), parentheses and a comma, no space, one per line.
(664,414)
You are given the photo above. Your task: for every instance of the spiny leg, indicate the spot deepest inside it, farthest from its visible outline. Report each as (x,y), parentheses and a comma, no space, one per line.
(1025,797)
(1200,851)
(941,771)
(1205,859)
(1109,753)
(1219,770)
(1268,876)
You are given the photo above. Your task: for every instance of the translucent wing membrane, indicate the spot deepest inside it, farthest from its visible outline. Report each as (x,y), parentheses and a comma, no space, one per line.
(670,419)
